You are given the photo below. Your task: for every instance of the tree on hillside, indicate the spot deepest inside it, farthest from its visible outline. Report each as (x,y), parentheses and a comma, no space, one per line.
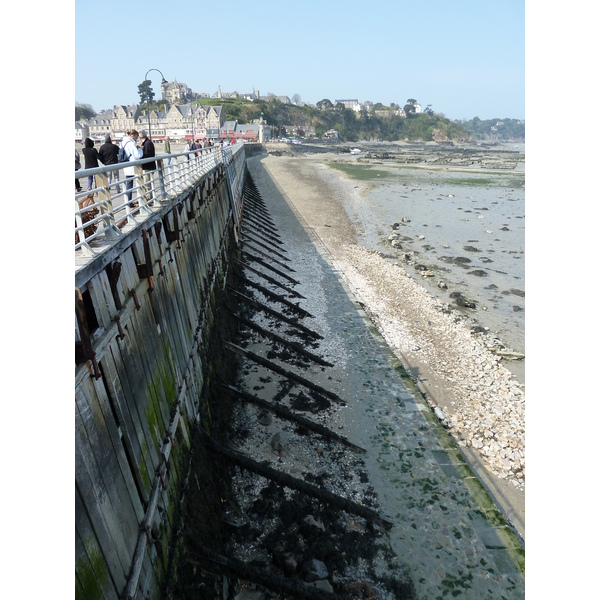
(145,91)
(410,108)
(296,99)
(324,104)
(84,111)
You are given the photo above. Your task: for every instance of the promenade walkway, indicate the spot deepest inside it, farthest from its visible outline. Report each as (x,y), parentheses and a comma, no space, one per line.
(446,530)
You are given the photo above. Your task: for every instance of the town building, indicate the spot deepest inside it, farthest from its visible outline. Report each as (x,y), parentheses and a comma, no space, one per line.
(100,125)
(257,131)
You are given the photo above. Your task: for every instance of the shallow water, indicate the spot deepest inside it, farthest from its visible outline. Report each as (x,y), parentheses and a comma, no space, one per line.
(466,226)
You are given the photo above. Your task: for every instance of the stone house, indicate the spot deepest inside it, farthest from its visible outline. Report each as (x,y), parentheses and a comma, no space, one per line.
(100,125)
(257,131)
(158,123)
(228,130)
(81,131)
(175,92)
(124,118)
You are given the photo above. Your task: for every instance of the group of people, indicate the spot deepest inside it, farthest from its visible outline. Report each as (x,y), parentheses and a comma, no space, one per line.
(108,155)
(135,150)
(197,145)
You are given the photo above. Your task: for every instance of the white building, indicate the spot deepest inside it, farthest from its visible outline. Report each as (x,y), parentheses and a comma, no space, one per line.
(350,104)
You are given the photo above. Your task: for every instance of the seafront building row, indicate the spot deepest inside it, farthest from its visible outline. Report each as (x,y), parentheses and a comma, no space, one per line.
(178,122)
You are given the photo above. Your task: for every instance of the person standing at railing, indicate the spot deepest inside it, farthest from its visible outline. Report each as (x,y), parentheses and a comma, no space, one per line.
(168,149)
(148,152)
(77,167)
(108,156)
(188,148)
(91,160)
(134,152)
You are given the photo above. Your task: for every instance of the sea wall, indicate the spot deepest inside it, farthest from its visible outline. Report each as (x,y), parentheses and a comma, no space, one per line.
(145,314)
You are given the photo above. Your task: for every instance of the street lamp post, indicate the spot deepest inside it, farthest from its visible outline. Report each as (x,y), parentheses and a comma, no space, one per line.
(148,98)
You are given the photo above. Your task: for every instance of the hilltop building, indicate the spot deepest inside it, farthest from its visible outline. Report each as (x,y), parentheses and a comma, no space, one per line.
(350,104)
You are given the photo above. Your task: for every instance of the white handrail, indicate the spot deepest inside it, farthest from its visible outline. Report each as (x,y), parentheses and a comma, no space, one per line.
(107,212)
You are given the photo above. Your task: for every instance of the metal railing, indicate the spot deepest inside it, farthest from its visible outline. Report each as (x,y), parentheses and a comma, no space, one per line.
(108,211)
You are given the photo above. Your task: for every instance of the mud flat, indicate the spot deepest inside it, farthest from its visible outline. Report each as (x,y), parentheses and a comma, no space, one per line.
(477,397)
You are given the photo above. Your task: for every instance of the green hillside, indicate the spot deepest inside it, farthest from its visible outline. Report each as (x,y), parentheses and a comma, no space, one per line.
(381,124)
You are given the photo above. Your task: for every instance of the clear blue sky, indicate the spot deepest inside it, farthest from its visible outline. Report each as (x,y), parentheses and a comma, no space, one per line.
(465,58)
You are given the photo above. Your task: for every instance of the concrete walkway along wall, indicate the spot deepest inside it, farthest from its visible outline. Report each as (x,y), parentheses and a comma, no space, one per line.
(143,321)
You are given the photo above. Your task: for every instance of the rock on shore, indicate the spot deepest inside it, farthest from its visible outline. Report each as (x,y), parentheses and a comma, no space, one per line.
(487,412)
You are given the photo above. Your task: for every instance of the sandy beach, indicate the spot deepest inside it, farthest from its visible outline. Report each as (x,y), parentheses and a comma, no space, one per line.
(477,398)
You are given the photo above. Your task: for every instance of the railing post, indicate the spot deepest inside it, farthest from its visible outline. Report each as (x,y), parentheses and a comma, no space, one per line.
(143,190)
(80,231)
(106,207)
(161,182)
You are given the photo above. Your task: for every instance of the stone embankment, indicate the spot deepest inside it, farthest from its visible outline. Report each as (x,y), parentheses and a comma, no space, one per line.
(486,405)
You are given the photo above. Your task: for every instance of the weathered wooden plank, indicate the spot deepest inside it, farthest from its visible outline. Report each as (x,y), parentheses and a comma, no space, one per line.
(155,366)
(167,315)
(131,370)
(92,506)
(129,275)
(116,439)
(175,301)
(92,579)
(189,296)
(195,274)
(102,299)
(131,429)
(128,371)
(166,379)
(97,452)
